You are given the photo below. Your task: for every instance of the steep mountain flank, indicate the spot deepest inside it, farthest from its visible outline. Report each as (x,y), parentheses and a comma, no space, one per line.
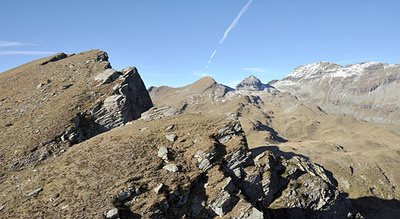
(368,91)
(52,103)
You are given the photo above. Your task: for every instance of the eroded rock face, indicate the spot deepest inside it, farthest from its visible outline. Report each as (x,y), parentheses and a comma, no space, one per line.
(129,100)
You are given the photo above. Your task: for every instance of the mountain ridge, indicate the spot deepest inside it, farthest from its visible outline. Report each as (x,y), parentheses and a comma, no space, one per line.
(202,150)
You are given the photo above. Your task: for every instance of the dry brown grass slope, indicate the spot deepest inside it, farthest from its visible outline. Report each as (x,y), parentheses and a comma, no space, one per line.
(85,181)
(38,100)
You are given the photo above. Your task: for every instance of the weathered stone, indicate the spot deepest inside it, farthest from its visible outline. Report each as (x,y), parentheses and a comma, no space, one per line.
(204,164)
(252,187)
(204,159)
(171,167)
(127,103)
(171,137)
(158,113)
(34,192)
(107,76)
(112,214)
(163,153)
(169,128)
(158,188)
(258,157)
(229,186)
(123,195)
(256,214)
(239,158)
(221,204)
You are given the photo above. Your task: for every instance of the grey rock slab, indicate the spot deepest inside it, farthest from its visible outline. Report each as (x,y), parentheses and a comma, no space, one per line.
(171,137)
(204,164)
(107,76)
(163,153)
(172,168)
(112,214)
(221,204)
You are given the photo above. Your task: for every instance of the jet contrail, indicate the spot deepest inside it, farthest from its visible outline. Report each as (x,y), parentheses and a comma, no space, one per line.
(233,25)
(209,61)
(213,54)
(294,8)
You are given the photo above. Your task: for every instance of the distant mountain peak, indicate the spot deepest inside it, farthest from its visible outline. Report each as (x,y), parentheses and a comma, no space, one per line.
(252,83)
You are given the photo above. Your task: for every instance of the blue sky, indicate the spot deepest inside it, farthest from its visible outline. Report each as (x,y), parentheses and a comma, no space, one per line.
(171,42)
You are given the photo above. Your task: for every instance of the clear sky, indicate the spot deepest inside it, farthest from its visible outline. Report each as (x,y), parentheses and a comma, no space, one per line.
(172,42)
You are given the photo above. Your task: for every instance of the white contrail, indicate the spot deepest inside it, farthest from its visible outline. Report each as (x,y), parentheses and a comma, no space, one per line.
(234,23)
(213,54)
(293,8)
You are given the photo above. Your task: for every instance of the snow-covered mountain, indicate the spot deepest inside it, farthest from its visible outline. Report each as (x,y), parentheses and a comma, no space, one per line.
(368,90)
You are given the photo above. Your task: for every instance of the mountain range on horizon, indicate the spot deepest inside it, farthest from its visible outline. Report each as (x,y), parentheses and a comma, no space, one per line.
(79,139)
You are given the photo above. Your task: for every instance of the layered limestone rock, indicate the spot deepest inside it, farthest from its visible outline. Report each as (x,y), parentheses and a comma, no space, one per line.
(129,100)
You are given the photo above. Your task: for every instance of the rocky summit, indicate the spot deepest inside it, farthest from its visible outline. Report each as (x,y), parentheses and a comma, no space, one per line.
(79,139)
(252,83)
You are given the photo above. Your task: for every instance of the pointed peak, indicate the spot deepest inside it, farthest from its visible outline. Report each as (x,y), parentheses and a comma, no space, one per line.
(251,83)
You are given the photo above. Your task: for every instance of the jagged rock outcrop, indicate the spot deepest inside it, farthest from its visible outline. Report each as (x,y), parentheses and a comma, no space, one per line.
(129,100)
(367,91)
